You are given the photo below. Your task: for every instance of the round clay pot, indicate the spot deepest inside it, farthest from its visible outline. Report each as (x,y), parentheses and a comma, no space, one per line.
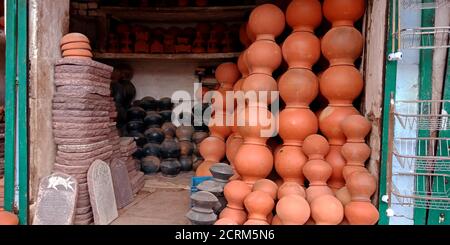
(263,57)
(350,169)
(73,38)
(253,162)
(258,204)
(184,133)
(301,50)
(315,191)
(141,140)
(165,103)
(235,192)
(316,146)
(150,164)
(7,218)
(170,149)
(355,153)
(154,135)
(252,128)
(227,74)
(343,195)
(304,15)
(77,52)
(232,146)
(361,213)
(242,64)
(327,210)
(135,126)
(266,186)
(356,128)
(166,115)
(243,37)
(298,87)
(139,153)
(341,84)
(290,188)
(217,126)
(361,186)
(135,113)
(199,136)
(250,34)
(342,45)
(225,221)
(186,148)
(186,163)
(267,21)
(152,149)
(296,125)
(330,121)
(153,120)
(149,103)
(168,129)
(337,163)
(317,172)
(260,83)
(170,167)
(76,45)
(135,134)
(213,149)
(289,163)
(293,210)
(343,12)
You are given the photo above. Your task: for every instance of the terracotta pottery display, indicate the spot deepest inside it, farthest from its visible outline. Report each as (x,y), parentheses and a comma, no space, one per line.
(293,210)
(258,204)
(212,149)
(291,188)
(341,84)
(267,21)
(235,192)
(301,50)
(327,210)
(355,151)
(263,56)
(360,211)
(304,15)
(343,12)
(267,186)
(316,170)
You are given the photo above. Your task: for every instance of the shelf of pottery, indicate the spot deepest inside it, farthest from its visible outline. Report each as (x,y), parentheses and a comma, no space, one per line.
(165,31)
(300,176)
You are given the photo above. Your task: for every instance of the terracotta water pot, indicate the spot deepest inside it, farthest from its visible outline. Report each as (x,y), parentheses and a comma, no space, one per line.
(343,195)
(361,213)
(232,146)
(218,126)
(289,164)
(253,162)
(304,15)
(291,188)
(327,210)
(361,186)
(296,125)
(342,45)
(258,204)
(301,50)
(356,128)
(267,21)
(250,34)
(341,84)
(337,163)
(227,74)
(235,192)
(258,126)
(242,64)
(260,83)
(293,210)
(267,186)
(184,133)
(343,12)
(330,121)
(263,57)
(298,87)
(212,149)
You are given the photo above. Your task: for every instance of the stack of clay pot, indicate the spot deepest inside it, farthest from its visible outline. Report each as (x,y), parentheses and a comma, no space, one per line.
(81,120)
(127,148)
(298,87)
(184,136)
(213,148)
(76,45)
(170,151)
(254,160)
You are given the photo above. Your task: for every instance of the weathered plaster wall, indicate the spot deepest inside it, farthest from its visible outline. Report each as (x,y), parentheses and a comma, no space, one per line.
(48,21)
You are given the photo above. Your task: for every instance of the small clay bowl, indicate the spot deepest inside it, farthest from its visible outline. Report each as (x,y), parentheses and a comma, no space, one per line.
(77,57)
(76,45)
(77,52)
(73,37)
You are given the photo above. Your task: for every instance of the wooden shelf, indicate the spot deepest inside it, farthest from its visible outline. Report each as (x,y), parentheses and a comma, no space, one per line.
(202,56)
(176,14)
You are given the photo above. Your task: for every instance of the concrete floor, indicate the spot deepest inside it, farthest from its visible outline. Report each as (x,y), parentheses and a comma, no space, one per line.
(162,201)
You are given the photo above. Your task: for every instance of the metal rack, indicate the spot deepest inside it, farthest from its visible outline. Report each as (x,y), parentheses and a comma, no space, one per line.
(422,161)
(423,37)
(418,4)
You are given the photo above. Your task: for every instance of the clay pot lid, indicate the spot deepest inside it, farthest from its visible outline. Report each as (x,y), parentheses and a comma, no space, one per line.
(266,186)
(77,52)
(76,45)
(8,218)
(73,37)
(291,188)
(356,128)
(316,146)
(225,221)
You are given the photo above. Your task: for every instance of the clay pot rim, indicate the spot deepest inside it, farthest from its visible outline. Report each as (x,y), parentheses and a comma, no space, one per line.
(70,43)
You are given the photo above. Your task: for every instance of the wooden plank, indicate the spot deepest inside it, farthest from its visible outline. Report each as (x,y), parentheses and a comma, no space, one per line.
(192,14)
(374,58)
(133,56)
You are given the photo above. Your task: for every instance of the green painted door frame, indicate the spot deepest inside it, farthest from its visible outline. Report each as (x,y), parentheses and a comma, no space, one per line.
(16,105)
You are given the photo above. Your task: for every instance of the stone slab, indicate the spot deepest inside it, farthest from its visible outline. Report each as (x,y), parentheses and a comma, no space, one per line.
(70,169)
(84,62)
(101,192)
(84,155)
(121,183)
(56,200)
(68,163)
(79,82)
